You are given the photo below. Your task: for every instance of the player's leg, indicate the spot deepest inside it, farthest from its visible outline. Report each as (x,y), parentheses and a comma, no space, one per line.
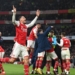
(63,60)
(2,72)
(31,50)
(14,54)
(40,56)
(48,63)
(67,62)
(37,62)
(44,62)
(1,66)
(55,58)
(25,56)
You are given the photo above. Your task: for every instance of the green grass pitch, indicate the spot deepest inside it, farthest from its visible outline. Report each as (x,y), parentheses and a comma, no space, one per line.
(12,69)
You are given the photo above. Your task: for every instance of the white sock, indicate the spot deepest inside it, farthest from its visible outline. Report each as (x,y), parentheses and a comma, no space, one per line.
(67,72)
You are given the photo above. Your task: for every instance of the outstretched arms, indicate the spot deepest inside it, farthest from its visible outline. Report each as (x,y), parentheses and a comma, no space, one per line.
(34,20)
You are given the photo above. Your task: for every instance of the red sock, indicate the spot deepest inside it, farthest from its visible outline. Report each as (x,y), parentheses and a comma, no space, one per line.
(6,59)
(67,66)
(31,55)
(48,65)
(1,67)
(64,65)
(56,65)
(37,63)
(40,63)
(26,69)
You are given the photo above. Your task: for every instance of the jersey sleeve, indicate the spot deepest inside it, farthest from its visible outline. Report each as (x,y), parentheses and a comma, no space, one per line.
(17,23)
(61,43)
(32,22)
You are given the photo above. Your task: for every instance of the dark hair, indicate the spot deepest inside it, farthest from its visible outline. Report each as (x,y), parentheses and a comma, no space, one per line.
(63,33)
(19,17)
(39,30)
(52,31)
(38,23)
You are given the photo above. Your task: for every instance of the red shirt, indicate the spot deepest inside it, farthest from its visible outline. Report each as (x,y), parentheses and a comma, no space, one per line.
(66,42)
(32,33)
(21,34)
(1,49)
(52,49)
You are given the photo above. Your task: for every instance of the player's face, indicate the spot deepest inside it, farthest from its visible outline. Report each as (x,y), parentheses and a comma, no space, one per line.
(38,25)
(51,34)
(41,32)
(61,35)
(23,19)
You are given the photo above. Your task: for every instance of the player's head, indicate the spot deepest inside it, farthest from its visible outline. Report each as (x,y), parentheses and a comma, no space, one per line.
(38,25)
(40,31)
(62,34)
(51,33)
(0,33)
(22,19)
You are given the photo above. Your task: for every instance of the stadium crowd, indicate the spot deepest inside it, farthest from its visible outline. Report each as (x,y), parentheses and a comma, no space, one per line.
(25,5)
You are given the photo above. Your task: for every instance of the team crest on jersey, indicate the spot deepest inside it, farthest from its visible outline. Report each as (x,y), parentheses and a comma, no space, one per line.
(23,29)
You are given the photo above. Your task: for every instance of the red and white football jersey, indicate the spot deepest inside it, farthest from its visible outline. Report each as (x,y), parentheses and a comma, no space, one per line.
(21,34)
(66,42)
(52,49)
(32,33)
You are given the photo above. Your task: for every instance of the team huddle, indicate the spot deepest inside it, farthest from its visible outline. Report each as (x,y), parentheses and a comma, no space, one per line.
(39,44)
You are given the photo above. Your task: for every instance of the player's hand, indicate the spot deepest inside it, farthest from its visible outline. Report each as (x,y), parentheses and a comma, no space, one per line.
(14,9)
(52,26)
(37,12)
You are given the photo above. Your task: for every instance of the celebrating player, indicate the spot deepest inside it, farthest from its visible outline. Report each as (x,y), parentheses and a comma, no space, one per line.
(50,54)
(31,39)
(20,40)
(65,53)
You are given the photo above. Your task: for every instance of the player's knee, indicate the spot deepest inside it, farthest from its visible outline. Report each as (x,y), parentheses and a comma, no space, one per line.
(56,59)
(68,60)
(41,58)
(12,60)
(26,59)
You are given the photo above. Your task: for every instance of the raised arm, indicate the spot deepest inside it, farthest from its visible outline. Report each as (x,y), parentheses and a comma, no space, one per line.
(14,17)
(34,20)
(48,30)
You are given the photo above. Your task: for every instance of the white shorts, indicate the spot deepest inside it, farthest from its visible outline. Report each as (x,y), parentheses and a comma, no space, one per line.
(51,55)
(30,44)
(2,54)
(65,54)
(41,54)
(19,50)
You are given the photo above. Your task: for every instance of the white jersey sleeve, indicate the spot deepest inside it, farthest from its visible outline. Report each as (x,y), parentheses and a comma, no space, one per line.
(14,21)
(61,43)
(32,23)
